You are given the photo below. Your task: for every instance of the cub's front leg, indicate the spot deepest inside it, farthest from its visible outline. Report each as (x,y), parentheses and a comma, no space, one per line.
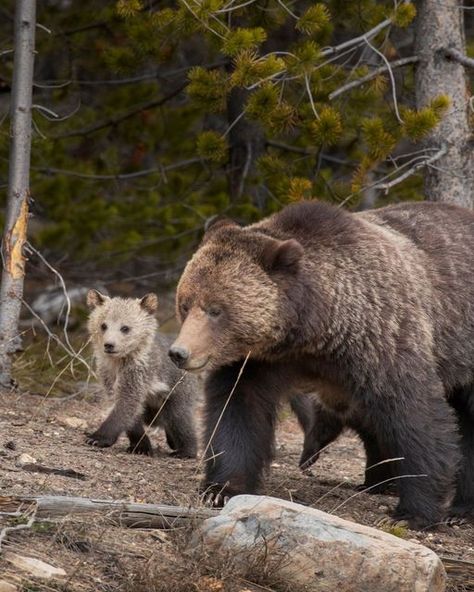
(126,415)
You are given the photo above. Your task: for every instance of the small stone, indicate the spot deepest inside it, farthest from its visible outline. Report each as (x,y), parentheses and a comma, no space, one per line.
(25,459)
(36,567)
(74,422)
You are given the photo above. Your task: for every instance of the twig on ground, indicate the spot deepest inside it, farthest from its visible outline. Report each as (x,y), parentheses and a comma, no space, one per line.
(6,529)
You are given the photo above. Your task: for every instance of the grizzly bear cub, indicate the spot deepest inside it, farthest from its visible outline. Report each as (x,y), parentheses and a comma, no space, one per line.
(132,364)
(373,311)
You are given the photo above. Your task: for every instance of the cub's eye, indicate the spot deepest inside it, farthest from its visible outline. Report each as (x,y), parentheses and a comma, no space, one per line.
(214,311)
(184,309)
(125,329)
(104,326)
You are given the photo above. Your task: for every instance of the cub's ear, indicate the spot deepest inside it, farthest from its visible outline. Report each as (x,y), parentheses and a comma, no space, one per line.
(281,255)
(149,303)
(95,298)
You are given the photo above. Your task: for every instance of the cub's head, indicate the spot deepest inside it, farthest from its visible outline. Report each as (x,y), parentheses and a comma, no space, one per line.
(120,327)
(232,298)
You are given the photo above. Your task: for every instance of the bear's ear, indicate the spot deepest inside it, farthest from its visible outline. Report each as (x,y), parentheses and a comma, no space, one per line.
(95,298)
(215,223)
(149,303)
(281,255)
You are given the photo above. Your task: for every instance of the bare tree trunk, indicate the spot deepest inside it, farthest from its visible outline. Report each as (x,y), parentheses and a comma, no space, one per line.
(14,233)
(440,26)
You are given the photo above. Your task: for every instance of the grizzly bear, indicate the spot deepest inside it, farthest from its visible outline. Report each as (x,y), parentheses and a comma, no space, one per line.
(374,311)
(133,366)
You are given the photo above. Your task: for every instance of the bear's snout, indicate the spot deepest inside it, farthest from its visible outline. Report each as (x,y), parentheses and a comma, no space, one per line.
(179,355)
(109,348)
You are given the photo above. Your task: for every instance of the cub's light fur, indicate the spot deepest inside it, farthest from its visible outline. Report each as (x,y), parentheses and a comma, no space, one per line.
(133,366)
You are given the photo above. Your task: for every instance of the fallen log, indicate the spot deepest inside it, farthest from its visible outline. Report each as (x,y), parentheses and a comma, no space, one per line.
(122,513)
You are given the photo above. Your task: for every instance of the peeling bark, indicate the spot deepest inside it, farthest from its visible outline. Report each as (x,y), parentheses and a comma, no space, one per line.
(440,26)
(14,233)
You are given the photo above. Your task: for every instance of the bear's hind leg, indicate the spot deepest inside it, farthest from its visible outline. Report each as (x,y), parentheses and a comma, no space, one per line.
(413,420)
(379,469)
(463,402)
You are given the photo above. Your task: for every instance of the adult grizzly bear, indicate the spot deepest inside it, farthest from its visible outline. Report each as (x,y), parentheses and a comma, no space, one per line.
(373,310)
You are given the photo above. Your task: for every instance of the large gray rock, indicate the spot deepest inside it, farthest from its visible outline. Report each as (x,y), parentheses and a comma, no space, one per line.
(313,551)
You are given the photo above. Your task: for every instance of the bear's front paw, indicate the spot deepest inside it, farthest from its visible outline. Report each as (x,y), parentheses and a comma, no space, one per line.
(101,439)
(143,447)
(217,494)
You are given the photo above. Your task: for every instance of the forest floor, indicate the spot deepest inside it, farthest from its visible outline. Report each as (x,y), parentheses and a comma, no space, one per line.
(99,556)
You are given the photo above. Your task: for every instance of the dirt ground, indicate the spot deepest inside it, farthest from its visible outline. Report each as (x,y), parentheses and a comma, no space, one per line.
(101,557)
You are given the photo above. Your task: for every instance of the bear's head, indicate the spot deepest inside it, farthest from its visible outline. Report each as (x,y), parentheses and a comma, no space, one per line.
(232,298)
(120,327)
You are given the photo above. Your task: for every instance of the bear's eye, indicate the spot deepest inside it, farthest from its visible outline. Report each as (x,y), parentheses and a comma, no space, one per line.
(184,309)
(214,311)
(125,329)
(104,326)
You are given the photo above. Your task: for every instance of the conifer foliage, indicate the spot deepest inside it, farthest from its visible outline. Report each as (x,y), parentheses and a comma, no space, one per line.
(157,111)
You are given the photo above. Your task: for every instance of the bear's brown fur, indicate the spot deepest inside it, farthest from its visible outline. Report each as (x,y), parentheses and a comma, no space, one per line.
(374,310)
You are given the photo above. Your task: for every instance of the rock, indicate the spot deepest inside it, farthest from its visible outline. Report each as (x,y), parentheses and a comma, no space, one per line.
(310,550)
(25,459)
(73,422)
(35,567)
(7,587)
(51,304)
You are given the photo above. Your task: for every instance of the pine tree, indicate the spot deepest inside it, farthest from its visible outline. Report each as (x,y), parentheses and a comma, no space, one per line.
(174,111)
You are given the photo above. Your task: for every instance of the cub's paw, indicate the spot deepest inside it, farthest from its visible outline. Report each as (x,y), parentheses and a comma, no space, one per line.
(183,453)
(142,447)
(378,488)
(101,439)
(308,458)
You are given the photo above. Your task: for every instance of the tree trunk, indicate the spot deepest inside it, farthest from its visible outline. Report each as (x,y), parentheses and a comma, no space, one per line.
(440,26)
(247,143)
(14,233)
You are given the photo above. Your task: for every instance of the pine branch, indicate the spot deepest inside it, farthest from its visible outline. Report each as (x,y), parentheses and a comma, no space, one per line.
(112,121)
(329,51)
(423,163)
(457,56)
(310,152)
(372,75)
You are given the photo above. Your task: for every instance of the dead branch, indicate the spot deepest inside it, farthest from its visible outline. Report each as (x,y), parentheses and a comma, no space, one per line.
(457,56)
(30,512)
(122,117)
(119,176)
(372,75)
(133,515)
(423,163)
